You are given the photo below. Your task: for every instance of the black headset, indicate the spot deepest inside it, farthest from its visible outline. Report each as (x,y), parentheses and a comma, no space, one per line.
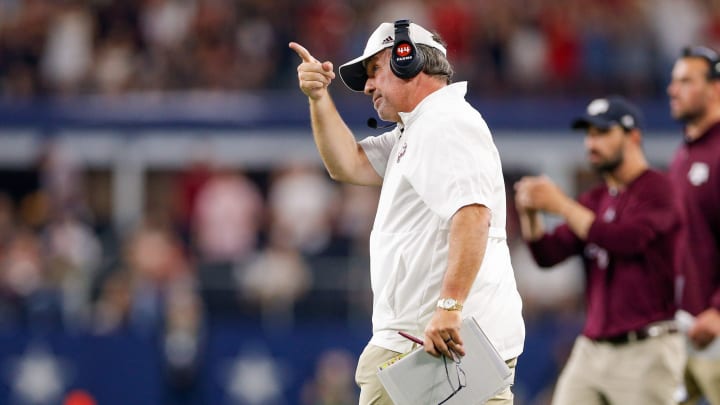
(709,55)
(406,60)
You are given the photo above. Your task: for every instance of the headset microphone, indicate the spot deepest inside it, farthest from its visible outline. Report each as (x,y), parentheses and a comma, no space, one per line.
(373,123)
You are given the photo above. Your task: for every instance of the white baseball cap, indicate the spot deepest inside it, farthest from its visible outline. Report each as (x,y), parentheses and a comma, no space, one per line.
(353,73)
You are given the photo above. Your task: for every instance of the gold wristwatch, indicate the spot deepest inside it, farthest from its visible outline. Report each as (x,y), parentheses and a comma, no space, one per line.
(449,304)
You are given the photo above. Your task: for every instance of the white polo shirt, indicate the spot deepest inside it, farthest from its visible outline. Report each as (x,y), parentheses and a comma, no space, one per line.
(438,160)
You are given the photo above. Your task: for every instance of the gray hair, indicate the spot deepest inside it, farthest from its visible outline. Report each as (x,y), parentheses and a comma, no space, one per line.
(436,64)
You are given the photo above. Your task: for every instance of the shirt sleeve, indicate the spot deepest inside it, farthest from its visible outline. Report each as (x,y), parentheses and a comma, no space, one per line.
(556,246)
(453,163)
(651,214)
(378,149)
(715,298)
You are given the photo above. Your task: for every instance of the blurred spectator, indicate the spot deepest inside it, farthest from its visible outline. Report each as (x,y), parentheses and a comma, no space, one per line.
(559,22)
(23,31)
(116,64)
(256,52)
(111,310)
(527,47)
(275,278)
(674,25)
(212,50)
(28,298)
(165,24)
(227,218)
(333,382)
(22,266)
(61,183)
(68,56)
(73,253)
(303,205)
(356,215)
(136,295)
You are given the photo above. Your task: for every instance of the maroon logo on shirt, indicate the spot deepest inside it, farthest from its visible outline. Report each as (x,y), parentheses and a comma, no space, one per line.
(403,148)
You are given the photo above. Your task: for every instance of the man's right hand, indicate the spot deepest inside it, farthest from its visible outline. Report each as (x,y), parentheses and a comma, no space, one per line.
(314,76)
(706,328)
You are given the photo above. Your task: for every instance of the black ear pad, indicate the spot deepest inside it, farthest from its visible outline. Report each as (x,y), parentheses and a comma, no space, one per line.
(714,64)
(406,61)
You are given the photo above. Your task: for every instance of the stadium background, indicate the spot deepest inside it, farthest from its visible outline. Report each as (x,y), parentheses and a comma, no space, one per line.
(167,233)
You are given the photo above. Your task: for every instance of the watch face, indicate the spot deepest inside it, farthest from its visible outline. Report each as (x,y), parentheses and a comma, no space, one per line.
(447,303)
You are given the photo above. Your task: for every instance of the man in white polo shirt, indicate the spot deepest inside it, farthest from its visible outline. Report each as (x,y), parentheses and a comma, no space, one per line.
(438,249)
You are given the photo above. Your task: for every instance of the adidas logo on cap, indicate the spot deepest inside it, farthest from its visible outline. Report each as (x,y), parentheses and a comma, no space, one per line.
(387,40)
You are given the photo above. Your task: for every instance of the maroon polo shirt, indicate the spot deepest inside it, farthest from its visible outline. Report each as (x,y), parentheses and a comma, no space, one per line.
(695,174)
(628,255)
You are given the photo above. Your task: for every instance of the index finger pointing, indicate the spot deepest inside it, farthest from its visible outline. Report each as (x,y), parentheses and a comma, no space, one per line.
(303,53)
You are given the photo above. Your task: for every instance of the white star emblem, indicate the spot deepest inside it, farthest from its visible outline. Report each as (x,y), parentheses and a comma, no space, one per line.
(37,376)
(254,378)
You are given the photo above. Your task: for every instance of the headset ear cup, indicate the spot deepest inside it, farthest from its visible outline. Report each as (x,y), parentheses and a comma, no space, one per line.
(410,69)
(406,60)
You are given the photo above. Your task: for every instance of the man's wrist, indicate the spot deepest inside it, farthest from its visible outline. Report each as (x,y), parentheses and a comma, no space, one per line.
(449,304)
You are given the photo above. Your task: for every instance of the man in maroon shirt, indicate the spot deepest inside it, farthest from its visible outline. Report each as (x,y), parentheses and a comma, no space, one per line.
(625,229)
(694,93)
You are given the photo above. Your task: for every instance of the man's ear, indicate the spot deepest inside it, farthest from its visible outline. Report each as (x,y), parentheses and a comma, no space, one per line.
(716,89)
(636,136)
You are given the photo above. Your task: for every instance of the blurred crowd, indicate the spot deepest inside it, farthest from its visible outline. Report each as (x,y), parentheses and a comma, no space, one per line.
(216,243)
(213,239)
(531,47)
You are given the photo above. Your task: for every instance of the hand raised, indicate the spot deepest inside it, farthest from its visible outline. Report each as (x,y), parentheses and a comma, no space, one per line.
(313,76)
(539,193)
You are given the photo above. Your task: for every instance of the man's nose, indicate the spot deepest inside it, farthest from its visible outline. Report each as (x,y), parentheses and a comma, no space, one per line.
(369,87)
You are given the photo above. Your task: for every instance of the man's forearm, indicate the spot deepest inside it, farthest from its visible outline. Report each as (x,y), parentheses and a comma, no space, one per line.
(578,217)
(468,241)
(531,225)
(342,156)
(332,137)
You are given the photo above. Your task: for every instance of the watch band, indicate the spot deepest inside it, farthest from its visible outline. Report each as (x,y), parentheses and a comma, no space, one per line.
(449,304)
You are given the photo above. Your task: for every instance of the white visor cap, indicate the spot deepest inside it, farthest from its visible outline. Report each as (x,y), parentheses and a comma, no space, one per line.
(354,75)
